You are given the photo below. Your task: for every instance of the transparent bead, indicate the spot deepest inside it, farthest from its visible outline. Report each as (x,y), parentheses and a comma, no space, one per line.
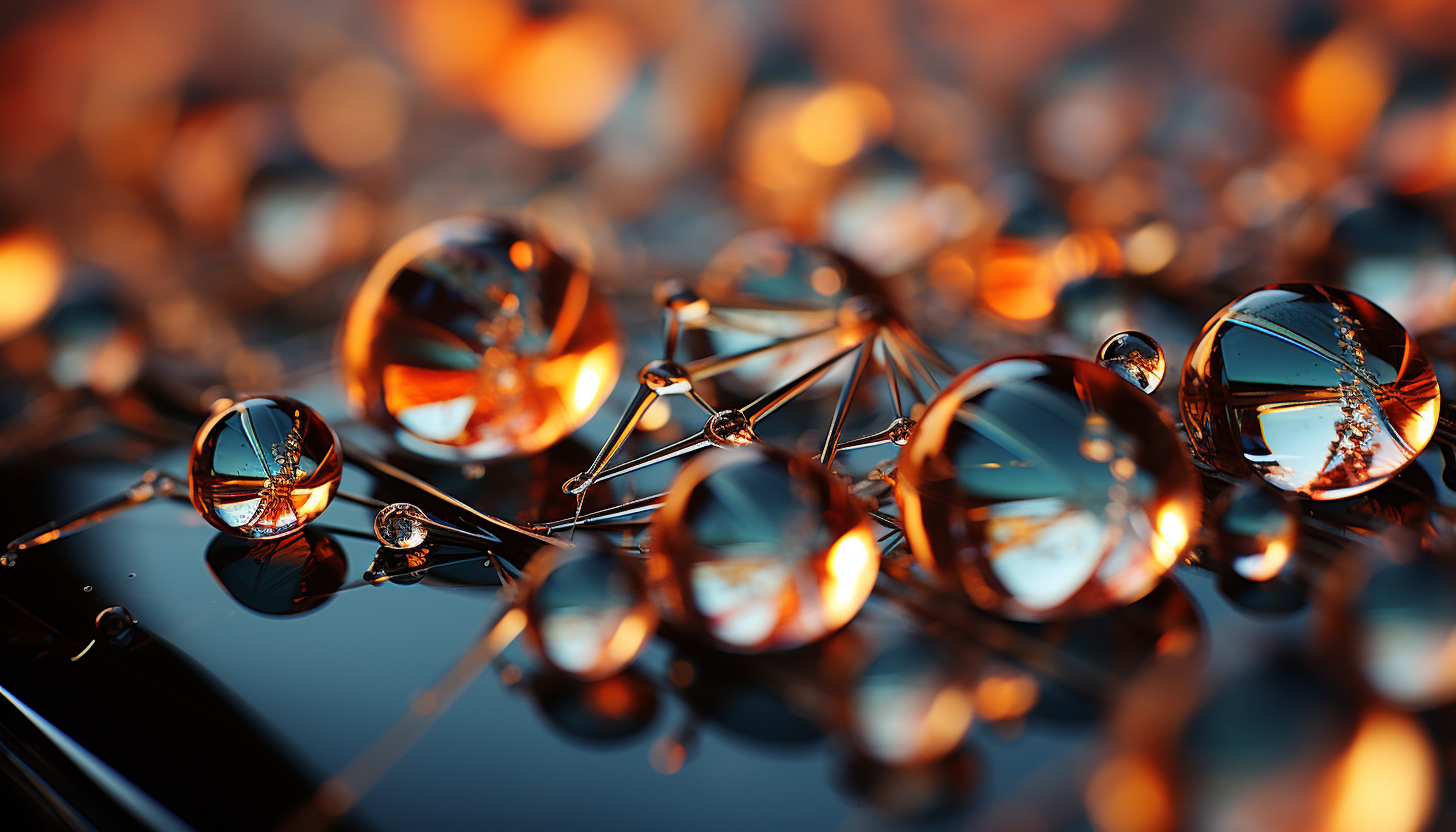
(473,339)
(1256,531)
(1403,622)
(264,467)
(587,609)
(1047,487)
(762,287)
(279,577)
(910,705)
(1315,389)
(1136,357)
(401,526)
(729,429)
(761,550)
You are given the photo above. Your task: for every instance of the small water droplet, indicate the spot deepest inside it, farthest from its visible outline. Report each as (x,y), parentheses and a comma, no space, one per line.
(86,589)
(131,574)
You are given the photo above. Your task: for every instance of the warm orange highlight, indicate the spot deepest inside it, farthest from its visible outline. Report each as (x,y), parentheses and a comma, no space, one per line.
(1386,779)
(1338,92)
(1129,794)
(31,265)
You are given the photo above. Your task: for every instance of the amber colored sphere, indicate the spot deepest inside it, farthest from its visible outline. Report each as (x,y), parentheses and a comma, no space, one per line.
(263,468)
(588,611)
(761,550)
(473,338)
(1315,389)
(1047,487)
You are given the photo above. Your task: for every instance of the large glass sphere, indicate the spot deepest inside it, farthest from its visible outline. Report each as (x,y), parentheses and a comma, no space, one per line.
(264,467)
(1046,486)
(761,550)
(764,286)
(587,610)
(1315,389)
(472,339)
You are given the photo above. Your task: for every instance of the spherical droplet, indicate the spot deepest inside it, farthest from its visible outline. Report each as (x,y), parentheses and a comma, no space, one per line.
(762,287)
(729,429)
(1404,623)
(1047,488)
(264,467)
(665,377)
(1256,530)
(761,550)
(472,339)
(1315,389)
(401,526)
(588,610)
(909,705)
(115,626)
(1136,357)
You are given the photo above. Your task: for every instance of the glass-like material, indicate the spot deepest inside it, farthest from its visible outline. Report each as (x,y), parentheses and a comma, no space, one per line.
(263,468)
(473,339)
(1047,487)
(587,609)
(909,705)
(1404,628)
(279,577)
(761,550)
(764,286)
(1315,389)
(1256,531)
(401,526)
(1136,357)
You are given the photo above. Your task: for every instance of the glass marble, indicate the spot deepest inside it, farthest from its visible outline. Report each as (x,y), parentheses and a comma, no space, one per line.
(587,609)
(264,467)
(1046,487)
(1136,357)
(1255,530)
(762,286)
(1313,388)
(401,526)
(761,550)
(909,705)
(472,338)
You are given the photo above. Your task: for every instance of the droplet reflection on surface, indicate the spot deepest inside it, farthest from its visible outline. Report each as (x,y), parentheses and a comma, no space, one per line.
(279,577)
(587,609)
(1315,389)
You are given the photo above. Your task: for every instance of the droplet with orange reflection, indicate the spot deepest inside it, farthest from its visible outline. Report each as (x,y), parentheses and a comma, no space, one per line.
(1256,531)
(587,609)
(761,550)
(910,705)
(264,467)
(31,267)
(1047,487)
(472,338)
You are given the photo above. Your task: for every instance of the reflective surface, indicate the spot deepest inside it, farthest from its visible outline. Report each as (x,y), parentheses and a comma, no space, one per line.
(761,550)
(289,576)
(264,467)
(1313,388)
(1046,487)
(587,609)
(473,338)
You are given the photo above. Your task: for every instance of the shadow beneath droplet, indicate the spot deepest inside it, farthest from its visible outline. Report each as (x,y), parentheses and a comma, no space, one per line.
(290,576)
(604,712)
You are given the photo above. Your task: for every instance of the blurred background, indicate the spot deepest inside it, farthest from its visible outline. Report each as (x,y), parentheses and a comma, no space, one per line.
(190,191)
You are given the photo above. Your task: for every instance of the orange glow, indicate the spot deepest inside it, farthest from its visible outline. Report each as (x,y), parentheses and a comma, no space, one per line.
(588,382)
(353,113)
(627,641)
(837,123)
(31,266)
(667,755)
(850,570)
(1129,794)
(952,274)
(453,43)
(521,255)
(946,722)
(1018,282)
(1007,695)
(612,697)
(1150,248)
(1339,91)
(1172,535)
(1385,780)
(658,414)
(558,80)
(1276,554)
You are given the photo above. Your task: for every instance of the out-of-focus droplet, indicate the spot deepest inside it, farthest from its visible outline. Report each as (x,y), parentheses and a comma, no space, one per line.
(761,550)
(1404,627)
(264,467)
(1136,357)
(910,705)
(587,609)
(1256,531)
(912,793)
(464,354)
(599,712)
(1004,491)
(1338,92)
(353,113)
(115,627)
(401,526)
(289,576)
(1128,793)
(94,344)
(1315,389)
(31,267)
